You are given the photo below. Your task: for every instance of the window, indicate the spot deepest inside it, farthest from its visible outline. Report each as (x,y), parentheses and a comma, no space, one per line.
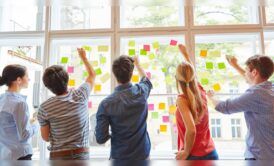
(212,12)
(151,13)
(236,128)
(216,128)
(269,7)
(269,41)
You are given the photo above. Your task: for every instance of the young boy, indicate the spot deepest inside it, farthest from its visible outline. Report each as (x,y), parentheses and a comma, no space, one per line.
(125,111)
(64,118)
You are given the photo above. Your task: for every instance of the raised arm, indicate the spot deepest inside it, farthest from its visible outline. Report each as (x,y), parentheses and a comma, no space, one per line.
(183,51)
(232,60)
(91,73)
(141,71)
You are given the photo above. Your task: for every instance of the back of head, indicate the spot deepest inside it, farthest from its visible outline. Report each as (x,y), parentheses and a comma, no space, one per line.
(11,73)
(122,69)
(55,78)
(263,64)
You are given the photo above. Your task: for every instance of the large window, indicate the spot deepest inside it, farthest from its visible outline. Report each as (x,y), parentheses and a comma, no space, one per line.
(236,128)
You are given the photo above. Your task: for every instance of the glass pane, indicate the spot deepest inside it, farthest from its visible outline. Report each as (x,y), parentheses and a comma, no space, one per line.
(218,132)
(269,49)
(212,12)
(159,57)
(233,132)
(214,72)
(23,51)
(17,15)
(64,52)
(80,14)
(213,134)
(151,13)
(269,11)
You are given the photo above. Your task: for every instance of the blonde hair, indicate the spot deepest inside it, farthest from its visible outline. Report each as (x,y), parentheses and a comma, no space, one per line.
(187,84)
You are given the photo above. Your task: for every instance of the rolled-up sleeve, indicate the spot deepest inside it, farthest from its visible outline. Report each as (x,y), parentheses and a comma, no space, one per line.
(243,103)
(84,90)
(21,117)
(146,86)
(102,125)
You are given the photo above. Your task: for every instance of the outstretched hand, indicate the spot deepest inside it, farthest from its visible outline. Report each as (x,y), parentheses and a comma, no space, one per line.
(182,49)
(232,60)
(82,53)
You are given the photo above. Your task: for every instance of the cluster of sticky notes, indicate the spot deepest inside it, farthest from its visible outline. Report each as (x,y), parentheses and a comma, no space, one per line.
(217,87)
(71,82)
(135,78)
(162,106)
(163,128)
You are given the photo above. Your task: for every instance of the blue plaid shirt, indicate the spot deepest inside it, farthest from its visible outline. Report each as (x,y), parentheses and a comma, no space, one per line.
(257,104)
(125,111)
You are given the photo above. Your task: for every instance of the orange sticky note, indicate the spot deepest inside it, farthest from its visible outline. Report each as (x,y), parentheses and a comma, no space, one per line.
(203,53)
(172,109)
(217,87)
(135,78)
(97,88)
(163,128)
(71,83)
(162,106)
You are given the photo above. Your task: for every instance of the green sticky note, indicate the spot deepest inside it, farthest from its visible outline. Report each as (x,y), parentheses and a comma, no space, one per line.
(98,71)
(64,60)
(164,70)
(85,73)
(103,60)
(87,48)
(131,52)
(102,48)
(155,45)
(169,80)
(209,65)
(131,43)
(143,52)
(154,115)
(151,56)
(204,81)
(221,65)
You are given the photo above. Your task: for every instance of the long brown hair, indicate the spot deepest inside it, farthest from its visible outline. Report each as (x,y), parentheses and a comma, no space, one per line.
(187,84)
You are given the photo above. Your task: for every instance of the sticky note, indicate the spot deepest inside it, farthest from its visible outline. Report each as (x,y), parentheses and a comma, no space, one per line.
(98,71)
(87,48)
(221,65)
(209,65)
(71,83)
(204,81)
(162,106)
(172,109)
(103,60)
(148,75)
(143,52)
(173,42)
(135,78)
(70,69)
(85,73)
(145,65)
(131,52)
(105,78)
(151,56)
(131,43)
(94,63)
(155,45)
(154,115)
(151,107)
(164,70)
(89,104)
(163,128)
(169,79)
(203,53)
(217,87)
(97,88)
(146,47)
(165,119)
(102,48)
(64,60)
(215,53)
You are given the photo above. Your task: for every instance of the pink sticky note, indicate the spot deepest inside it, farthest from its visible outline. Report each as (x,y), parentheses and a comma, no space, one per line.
(151,107)
(148,75)
(70,69)
(165,119)
(173,42)
(89,104)
(147,47)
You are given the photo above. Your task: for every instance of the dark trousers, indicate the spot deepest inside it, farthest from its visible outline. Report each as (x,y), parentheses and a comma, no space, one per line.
(27,157)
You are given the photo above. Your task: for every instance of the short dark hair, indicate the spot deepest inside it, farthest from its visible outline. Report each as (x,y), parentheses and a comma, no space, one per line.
(11,73)
(122,68)
(55,78)
(263,64)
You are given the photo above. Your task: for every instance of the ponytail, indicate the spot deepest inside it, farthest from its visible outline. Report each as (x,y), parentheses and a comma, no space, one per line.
(2,81)
(11,73)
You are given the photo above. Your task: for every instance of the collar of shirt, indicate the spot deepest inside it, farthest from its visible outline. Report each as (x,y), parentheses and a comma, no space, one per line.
(265,84)
(123,87)
(17,95)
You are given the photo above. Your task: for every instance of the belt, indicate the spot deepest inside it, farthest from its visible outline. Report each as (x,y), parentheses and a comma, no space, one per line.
(68,152)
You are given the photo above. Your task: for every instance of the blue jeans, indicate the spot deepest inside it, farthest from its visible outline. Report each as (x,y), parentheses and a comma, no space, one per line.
(211,156)
(80,156)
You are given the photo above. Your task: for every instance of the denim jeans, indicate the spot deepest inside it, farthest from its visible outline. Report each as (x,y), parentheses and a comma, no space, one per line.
(211,156)
(80,156)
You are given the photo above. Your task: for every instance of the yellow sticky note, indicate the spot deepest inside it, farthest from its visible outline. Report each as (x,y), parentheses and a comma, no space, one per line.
(71,83)
(102,48)
(217,87)
(172,109)
(94,63)
(163,128)
(105,78)
(203,53)
(135,78)
(215,53)
(145,65)
(174,120)
(97,88)
(162,106)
